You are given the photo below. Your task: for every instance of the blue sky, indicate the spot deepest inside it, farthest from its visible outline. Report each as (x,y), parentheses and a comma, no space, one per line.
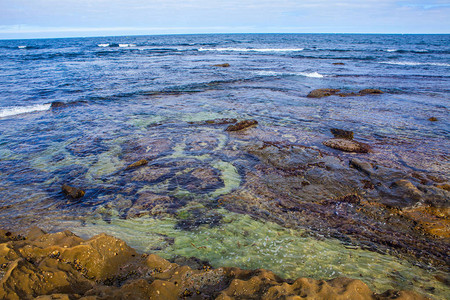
(70,18)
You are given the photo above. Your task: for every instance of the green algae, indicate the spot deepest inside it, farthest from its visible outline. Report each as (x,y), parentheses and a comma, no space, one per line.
(243,242)
(230,178)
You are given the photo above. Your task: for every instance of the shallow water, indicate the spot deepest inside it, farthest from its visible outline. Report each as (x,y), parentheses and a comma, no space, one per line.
(151,99)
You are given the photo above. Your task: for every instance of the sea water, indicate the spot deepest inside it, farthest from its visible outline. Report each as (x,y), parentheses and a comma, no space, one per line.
(126,98)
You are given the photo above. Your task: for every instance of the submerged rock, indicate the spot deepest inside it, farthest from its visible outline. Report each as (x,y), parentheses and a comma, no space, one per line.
(320,93)
(339,64)
(343,134)
(63,266)
(216,121)
(225,65)
(72,192)
(433,119)
(241,125)
(137,164)
(370,92)
(347,145)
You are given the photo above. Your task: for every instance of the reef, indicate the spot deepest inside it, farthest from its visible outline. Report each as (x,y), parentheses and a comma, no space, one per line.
(39,265)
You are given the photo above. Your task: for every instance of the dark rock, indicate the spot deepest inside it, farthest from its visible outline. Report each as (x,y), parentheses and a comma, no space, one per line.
(343,134)
(241,125)
(137,164)
(362,166)
(432,119)
(225,65)
(347,145)
(72,192)
(58,104)
(319,93)
(221,121)
(338,64)
(370,92)
(348,94)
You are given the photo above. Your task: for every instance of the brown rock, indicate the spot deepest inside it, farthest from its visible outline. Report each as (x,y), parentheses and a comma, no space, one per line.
(241,125)
(445,186)
(338,64)
(370,92)
(137,164)
(104,267)
(72,192)
(319,93)
(432,119)
(225,65)
(348,94)
(342,134)
(347,145)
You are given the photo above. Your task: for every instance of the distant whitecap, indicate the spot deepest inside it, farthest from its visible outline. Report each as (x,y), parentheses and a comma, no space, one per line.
(22,47)
(103,45)
(412,63)
(127,45)
(252,49)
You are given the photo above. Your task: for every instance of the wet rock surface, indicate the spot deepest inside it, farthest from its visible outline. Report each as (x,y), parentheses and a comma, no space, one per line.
(320,93)
(64,266)
(72,192)
(347,145)
(241,125)
(358,201)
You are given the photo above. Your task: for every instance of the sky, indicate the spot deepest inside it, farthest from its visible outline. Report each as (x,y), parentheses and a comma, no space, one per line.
(77,18)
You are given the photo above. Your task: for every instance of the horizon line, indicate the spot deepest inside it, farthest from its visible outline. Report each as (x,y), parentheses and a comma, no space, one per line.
(217,33)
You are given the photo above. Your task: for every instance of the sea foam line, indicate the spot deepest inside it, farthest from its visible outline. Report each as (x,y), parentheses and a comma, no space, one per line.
(274,73)
(252,49)
(17,110)
(412,63)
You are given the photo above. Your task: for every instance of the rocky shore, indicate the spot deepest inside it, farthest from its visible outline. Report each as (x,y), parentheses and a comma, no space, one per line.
(39,265)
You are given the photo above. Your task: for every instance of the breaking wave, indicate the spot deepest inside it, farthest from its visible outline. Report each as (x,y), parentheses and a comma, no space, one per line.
(18,110)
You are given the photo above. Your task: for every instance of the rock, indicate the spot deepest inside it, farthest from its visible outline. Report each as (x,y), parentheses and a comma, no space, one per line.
(215,121)
(342,134)
(432,119)
(241,125)
(347,145)
(445,186)
(137,164)
(72,192)
(225,65)
(338,64)
(362,166)
(58,104)
(370,92)
(104,267)
(319,93)
(348,94)
(405,187)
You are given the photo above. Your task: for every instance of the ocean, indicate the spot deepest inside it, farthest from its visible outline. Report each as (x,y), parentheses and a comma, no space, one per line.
(78,111)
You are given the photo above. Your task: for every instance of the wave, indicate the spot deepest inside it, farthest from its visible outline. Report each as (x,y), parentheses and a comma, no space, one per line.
(273,73)
(412,63)
(252,49)
(407,51)
(114,45)
(18,110)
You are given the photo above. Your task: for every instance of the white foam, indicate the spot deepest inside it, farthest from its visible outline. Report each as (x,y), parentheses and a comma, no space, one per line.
(18,110)
(127,45)
(412,63)
(273,73)
(252,49)
(103,45)
(22,47)
(391,50)
(312,75)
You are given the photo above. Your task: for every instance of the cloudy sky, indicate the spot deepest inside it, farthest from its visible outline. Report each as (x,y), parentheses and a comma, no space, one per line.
(68,18)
